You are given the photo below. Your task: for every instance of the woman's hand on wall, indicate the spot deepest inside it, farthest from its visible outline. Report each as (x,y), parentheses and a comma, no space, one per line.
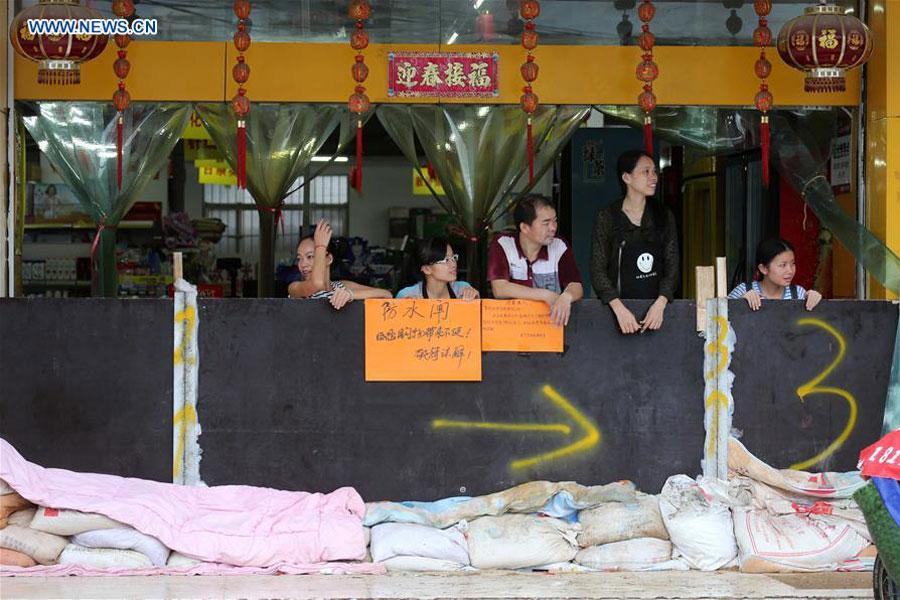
(628,324)
(753,299)
(469,293)
(812,299)
(341,297)
(654,317)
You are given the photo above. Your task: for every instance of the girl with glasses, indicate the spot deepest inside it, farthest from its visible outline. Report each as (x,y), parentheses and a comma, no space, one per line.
(436,263)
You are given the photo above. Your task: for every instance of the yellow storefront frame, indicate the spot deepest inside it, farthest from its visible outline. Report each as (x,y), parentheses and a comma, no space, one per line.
(308,72)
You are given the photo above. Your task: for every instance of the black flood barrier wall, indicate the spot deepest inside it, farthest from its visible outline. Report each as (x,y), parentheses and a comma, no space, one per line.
(784,350)
(87,384)
(283,403)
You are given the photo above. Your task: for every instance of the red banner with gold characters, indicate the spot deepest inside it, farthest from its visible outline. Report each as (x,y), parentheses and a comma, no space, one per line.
(443,74)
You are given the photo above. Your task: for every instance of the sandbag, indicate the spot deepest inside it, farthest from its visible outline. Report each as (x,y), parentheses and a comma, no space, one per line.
(617,521)
(793,542)
(10,503)
(629,555)
(21,517)
(125,538)
(103,558)
(42,547)
(822,485)
(699,522)
(15,559)
(407,539)
(420,563)
(70,522)
(518,541)
(179,561)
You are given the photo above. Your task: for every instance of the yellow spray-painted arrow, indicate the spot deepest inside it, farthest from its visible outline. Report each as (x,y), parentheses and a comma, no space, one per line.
(590,439)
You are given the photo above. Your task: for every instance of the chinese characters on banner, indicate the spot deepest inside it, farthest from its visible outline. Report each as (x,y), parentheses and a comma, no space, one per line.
(421,188)
(215,171)
(443,74)
(423,340)
(442,340)
(518,326)
(840,164)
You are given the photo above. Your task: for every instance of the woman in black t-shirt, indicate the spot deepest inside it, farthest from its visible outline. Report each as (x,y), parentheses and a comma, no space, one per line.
(635,246)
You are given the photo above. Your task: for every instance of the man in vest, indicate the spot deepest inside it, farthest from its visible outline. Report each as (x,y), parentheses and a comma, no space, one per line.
(534,264)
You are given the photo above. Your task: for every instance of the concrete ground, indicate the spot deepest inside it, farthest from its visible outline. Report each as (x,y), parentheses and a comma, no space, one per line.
(487,584)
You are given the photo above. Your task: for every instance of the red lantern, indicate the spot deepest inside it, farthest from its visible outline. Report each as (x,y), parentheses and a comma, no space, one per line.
(529,101)
(824,43)
(647,100)
(58,56)
(762,7)
(121,100)
(240,104)
(359,71)
(763,67)
(241,9)
(646,41)
(359,103)
(121,66)
(762,37)
(123,8)
(764,99)
(530,9)
(241,41)
(359,10)
(241,72)
(529,39)
(359,39)
(647,71)
(529,70)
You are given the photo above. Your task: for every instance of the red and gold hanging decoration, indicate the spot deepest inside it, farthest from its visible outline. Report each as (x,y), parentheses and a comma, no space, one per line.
(824,43)
(529,11)
(762,37)
(359,102)
(240,104)
(123,9)
(58,55)
(647,72)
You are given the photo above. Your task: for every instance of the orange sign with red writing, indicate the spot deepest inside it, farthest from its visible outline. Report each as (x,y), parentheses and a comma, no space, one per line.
(518,326)
(423,340)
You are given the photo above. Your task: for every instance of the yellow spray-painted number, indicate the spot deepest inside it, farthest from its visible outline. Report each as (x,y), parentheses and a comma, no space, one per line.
(813,387)
(590,439)
(189,316)
(187,415)
(717,399)
(718,347)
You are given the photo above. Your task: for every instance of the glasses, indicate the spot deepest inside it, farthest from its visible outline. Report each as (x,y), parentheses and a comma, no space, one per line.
(446,261)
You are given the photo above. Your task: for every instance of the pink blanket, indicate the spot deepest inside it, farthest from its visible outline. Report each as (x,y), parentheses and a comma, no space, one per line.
(235,524)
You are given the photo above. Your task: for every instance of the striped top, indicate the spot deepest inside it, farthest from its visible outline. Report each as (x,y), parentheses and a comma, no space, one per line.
(741,289)
(327,294)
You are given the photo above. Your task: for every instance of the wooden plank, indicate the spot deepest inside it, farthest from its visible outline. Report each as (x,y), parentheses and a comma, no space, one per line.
(705,290)
(177,266)
(721,277)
